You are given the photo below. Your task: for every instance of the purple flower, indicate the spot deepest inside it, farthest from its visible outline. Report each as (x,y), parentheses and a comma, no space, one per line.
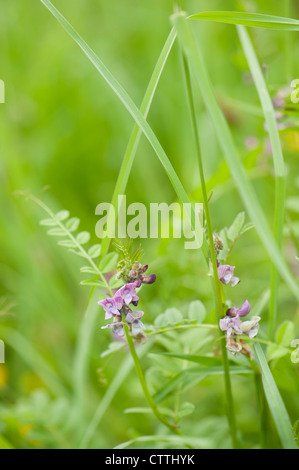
(131,316)
(133,320)
(237,345)
(149,279)
(137,327)
(119,308)
(239,312)
(112,305)
(118,328)
(251,327)
(128,294)
(117,325)
(226,275)
(231,326)
(233,346)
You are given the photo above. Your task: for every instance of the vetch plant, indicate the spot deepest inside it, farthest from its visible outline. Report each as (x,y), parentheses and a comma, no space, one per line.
(118,308)
(131,271)
(210,336)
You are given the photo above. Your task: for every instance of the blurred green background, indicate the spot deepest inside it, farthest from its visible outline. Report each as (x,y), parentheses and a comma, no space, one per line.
(63,128)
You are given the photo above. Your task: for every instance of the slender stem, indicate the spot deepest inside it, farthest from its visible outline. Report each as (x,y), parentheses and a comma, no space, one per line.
(133,143)
(70,236)
(143,384)
(293,235)
(278,161)
(212,327)
(280,189)
(179,388)
(181,327)
(288,53)
(231,248)
(217,287)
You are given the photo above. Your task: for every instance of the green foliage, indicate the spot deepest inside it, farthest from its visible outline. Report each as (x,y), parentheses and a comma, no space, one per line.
(66,227)
(39,421)
(65,382)
(173,316)
(284,336)
(229,235)
(249,19)
(276,405)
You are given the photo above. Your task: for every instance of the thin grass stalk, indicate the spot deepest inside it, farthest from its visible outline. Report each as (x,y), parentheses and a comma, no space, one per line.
(87,327)
(230,152)
(143,383)
(275,402)
(133,110)
(82,349)
(279,166)
(124,369)
(217,287)
(288,44)
(133,143)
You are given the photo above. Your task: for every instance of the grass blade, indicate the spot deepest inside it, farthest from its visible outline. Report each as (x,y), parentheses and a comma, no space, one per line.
(126,366)
(132,146)
(83,349)
(207,361)
(135,113)
(80,360)
(227,144)
(193,375)
(202,360)
(218,299)
(275,402)
(256,20)
(279,166)
(35,361)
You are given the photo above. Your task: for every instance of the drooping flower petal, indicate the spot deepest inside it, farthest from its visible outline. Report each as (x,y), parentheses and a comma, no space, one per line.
(226,275)
(232,345)
(231,326)
(244,309)
(232,312)
(111,305)
(131,316)
(128,294)
(239,312)
(246,350)
(250,327)
(137,327)
(118,328)
(149,279)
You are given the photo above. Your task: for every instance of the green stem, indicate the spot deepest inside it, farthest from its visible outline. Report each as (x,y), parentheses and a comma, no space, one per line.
(133,143)
(217,287)
(231,248)
(70,236)
(293,235)
(288,53)
(181,327)
(178,390)
(280,190)
(278,161)
(143,384)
